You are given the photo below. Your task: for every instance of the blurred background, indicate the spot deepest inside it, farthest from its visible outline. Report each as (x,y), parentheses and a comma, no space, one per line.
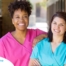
(41,14)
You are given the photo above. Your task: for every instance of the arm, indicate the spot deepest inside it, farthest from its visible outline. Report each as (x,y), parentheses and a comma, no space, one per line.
(34,59)
(34,62)
(38,38)
(65,65)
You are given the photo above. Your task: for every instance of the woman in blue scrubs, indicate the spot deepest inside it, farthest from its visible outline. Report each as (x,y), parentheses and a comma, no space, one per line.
(51,51)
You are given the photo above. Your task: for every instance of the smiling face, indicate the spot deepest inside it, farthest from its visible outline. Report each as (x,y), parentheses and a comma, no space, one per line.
(20,20)
(58,26)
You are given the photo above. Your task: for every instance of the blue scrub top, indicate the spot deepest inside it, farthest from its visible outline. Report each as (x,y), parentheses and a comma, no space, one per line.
(43,53)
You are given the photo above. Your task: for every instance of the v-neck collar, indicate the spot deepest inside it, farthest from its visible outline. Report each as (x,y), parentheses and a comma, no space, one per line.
(27,43)
(16,40)
(54,53)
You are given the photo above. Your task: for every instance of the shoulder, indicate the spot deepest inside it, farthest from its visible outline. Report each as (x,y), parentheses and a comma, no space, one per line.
(3,38)
(63,44)
(43,42)
(37,31)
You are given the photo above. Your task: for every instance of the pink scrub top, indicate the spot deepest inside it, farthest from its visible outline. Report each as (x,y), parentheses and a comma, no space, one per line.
(15,52)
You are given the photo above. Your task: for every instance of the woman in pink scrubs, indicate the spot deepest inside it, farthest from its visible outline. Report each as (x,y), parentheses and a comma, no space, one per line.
(16,46)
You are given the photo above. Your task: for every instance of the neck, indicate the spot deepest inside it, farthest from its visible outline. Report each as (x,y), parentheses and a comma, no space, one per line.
(57,39)
(19,33)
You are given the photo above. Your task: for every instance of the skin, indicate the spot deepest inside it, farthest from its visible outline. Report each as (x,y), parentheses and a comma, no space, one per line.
(58,28)
(34,62)
(38,38)
(20,21)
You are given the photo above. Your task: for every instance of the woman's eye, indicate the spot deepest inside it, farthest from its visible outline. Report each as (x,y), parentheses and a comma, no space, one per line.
(17,17)
(61,25)
(54,23)
(25,16)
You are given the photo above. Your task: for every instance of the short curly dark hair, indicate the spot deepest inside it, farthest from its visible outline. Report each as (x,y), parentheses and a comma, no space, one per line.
(23,5)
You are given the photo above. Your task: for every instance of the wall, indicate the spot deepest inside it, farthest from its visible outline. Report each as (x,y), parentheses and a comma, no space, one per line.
(65,5)
(59,5)
(6,22)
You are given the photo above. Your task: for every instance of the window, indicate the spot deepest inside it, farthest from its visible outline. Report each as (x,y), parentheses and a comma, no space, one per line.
(38,18)
(42,12)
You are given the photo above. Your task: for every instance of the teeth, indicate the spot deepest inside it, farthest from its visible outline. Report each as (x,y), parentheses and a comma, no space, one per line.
(56,31)
(21,24)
